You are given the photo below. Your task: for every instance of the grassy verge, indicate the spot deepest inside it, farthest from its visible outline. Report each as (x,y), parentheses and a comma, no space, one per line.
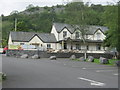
(111,61)
(76,59)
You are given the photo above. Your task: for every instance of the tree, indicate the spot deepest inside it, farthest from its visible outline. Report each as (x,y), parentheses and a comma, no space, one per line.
(30,6)
(111,20)
(77,12)
(14,12)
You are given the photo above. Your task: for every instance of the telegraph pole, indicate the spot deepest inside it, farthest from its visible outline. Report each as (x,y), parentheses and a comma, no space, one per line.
(15,24)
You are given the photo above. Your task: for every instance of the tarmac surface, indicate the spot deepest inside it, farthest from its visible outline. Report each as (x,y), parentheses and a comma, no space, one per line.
(60,73)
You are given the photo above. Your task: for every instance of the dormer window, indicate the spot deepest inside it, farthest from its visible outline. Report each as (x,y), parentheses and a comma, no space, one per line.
(86,36)
(98,36)
(64,34)
(77,35)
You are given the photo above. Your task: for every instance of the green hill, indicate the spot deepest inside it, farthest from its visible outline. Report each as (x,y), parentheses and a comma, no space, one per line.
(40,19)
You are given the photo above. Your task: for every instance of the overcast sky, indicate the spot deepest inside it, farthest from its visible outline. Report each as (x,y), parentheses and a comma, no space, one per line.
(7,6)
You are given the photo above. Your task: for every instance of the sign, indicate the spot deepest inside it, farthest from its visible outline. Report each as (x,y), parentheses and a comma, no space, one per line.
(28,46)
(15,47)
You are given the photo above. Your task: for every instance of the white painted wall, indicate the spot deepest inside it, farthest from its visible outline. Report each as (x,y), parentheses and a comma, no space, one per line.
(74,34)
(10,40)
(59,46)
(53,45)
(61,34)
(102,36)
(90,37)
(55,32)
(36,40)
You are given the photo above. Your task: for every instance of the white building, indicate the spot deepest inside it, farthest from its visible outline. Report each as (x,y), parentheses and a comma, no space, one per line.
(63,37)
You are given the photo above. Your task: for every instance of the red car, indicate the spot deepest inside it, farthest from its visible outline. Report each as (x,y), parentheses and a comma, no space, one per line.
(4,50)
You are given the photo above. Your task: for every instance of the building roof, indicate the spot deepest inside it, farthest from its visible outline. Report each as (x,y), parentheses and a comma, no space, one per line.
(27,36)
(90,29)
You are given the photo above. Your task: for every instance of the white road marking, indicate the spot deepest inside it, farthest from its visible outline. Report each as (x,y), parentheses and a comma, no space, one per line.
(92,82)
(115,74)
(104,70)
(83,68)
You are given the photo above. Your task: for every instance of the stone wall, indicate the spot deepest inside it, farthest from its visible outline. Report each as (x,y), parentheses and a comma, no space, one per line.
(43,54)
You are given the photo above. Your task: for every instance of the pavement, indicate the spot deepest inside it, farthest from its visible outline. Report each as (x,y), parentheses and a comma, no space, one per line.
(60,73)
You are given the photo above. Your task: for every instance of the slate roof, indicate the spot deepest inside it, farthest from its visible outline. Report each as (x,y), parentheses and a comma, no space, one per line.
(90,29)
(27,36)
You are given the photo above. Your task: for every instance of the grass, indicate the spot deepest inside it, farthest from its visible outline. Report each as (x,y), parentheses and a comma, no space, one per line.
(76,59)
(111,61)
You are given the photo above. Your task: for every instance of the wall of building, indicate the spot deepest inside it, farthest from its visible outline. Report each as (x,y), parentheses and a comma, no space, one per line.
(74,34)
(55,32)
(102,36)
(36,40)
(61,34)
(10,40)
(90,37)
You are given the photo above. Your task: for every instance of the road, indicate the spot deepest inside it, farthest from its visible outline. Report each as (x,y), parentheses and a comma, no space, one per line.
(62,73)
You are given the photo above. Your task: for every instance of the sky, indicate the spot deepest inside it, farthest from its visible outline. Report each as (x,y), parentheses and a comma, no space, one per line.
(7,6)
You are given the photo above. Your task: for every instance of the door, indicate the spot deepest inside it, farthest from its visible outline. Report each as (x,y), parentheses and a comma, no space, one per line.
(65,45)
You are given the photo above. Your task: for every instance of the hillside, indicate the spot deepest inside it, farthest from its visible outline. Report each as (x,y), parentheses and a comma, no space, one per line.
(40,19)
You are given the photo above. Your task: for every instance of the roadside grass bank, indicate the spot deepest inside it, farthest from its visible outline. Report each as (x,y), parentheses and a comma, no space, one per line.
(111,61)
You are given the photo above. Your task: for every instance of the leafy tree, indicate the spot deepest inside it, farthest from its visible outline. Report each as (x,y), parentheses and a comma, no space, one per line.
(14,12)
(111,21)
(30,6)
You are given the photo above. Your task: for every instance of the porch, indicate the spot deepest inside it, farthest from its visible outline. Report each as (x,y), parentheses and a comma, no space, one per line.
(78,46)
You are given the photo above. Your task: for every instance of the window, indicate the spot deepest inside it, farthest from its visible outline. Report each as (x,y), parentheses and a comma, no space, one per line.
(87,47)
(41,45)
(98,36)
(77,35)
(64,34)
(98,47)
(78,46)
(86,36)
(48,45)
(21,43)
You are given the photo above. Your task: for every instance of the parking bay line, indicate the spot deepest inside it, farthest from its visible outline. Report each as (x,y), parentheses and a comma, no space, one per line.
(116,74)
(92,82)
(104,70)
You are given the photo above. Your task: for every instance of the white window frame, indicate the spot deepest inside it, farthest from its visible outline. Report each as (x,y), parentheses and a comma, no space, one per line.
(64,34)
(77,35)
(98,36)
(48,46)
